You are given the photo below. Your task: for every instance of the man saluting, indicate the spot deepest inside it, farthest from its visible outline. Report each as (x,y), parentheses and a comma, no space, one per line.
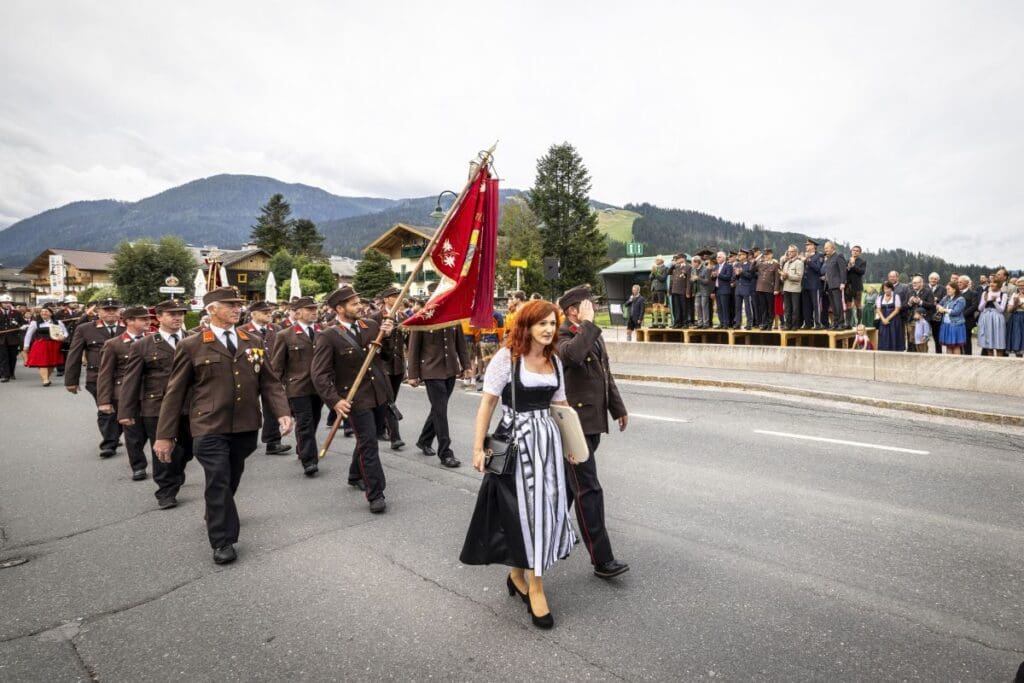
(226,371)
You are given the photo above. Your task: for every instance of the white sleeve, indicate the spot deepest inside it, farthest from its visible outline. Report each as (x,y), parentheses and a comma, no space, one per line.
(499,371)
(560,391)
(29,333)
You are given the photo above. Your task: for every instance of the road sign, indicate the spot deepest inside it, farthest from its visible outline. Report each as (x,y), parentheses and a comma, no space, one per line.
(520,263)
(171,281)
(172,290)
(634,248)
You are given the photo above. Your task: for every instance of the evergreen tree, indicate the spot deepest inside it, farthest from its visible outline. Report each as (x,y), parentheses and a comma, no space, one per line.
(373,273)
(306,239)
(519,238)
(568,227)
(319,273)
(273,229)
(140,268)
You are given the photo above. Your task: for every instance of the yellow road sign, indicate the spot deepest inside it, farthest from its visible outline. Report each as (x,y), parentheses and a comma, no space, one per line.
(521,263)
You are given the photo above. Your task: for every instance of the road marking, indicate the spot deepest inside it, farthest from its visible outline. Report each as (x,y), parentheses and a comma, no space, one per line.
(658,417)
(841,441)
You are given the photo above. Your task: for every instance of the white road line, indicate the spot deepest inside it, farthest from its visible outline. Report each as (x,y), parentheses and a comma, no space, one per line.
(841,441)
(658,417)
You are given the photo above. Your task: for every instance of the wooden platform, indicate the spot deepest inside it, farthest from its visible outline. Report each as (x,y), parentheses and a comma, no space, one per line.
(825,339)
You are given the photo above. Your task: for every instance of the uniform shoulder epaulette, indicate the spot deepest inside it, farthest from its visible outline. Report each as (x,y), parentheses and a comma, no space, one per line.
(297,327)
(574,328)
(242,335)
(99,323)
(250,327)
(208,336)
(126,337)
(362,324)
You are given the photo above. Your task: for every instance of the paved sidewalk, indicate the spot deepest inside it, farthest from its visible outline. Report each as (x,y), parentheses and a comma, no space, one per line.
(990,408)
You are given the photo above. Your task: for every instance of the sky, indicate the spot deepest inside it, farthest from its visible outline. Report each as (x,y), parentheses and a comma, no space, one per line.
(888,124)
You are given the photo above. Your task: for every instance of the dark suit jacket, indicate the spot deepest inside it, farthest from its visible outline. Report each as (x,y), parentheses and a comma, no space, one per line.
(812,272)
(855,275)
(927,299)
(834,271)
(337,359)
(11,333)
(293,359)
(393,346)
(113,365)
(145,377)
(680,282)
(971,300)
(589,385)
(86,345)
(746,277)
(722,284)
(225,389)
(437,354)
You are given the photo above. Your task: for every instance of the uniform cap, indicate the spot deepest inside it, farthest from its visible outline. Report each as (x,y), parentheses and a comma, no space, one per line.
(389,291)
(575,296)
(135,312)
(302,302)
(262,306)
(109,302)
(224,295)
(171,306)
(341,295)
(812,242)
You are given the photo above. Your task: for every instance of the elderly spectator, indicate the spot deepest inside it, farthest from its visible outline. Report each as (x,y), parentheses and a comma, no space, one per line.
(970,295)
(991,321)
(702,291)
(952,330)
(938,291)
(721,277)
(919,297)
(792,274)
(888,310)
(1015,326)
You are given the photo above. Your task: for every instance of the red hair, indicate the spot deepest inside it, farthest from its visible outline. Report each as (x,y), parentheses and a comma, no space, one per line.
(518,339)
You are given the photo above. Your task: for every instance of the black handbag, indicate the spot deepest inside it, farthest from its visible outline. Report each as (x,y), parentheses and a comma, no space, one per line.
(501,448)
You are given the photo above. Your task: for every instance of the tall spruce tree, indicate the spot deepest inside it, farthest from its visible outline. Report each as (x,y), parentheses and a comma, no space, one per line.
(306,239)
(560,198)
(373,273)
(273,229)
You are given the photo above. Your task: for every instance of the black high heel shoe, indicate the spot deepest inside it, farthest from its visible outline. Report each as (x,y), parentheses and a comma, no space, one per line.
(514,590)
(546,621)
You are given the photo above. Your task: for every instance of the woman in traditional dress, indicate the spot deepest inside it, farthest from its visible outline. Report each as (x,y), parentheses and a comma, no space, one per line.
(953,331)
(890,324)
(521,518)
(1015,327)
(991,321)
(43,339)
(870,297)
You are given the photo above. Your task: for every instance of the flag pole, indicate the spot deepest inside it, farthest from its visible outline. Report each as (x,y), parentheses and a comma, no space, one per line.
(484,160)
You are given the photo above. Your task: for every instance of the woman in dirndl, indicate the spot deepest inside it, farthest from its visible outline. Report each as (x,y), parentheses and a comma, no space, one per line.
(43,339)
(992,321)
(1015,325)
(521,518)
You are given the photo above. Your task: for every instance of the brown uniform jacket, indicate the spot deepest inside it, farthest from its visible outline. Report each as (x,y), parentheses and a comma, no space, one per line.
(680,282)
(589,385)
(394,346)
(337,358)
(293,359)
(269,335)
(87,341)
(437,354)
(225,389)
(145,378)
(113,365)
(769,276)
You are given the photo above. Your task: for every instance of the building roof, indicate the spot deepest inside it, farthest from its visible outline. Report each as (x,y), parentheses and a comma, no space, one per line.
(397,234)
(83,260)
(14,275)
(227,256)
(624,266)
(343,266)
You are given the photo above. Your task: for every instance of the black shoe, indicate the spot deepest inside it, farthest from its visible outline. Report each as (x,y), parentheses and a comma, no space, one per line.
(450,461)
(819,327)
(546,621)
(610,569)
(397,445)
(107,454)
(378,505)
(277,448)
(357,484)
(514,590)
(4,380)
(349,433)
(310,469)
(167,503)
(427,451)
(383,436)
(138,475)
(225,554)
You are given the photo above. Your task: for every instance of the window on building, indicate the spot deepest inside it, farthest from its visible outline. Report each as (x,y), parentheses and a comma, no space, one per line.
(243,278)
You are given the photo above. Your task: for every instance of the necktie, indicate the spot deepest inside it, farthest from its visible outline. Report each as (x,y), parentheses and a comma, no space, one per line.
(309,331)
(174,337)
(112,331)
(139,336)
(229,343)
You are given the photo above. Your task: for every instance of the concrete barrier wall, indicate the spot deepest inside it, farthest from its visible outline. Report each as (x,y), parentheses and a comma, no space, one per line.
(1003,376)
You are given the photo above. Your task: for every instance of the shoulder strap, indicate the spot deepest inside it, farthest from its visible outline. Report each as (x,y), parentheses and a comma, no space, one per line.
(515,371)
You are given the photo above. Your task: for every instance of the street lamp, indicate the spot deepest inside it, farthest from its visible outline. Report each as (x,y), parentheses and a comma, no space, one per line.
(437,214)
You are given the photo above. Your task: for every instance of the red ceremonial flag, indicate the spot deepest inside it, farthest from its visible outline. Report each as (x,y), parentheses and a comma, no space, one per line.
(464,256)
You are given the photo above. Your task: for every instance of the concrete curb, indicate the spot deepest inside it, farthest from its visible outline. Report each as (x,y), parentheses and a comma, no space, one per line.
(922,408)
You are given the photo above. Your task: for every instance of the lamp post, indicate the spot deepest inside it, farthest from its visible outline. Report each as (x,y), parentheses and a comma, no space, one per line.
(438,214)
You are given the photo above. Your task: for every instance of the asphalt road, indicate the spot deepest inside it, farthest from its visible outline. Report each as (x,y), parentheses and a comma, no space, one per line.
(754,556)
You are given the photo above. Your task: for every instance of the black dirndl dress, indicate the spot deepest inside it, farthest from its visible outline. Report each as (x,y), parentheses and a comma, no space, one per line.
(521,518)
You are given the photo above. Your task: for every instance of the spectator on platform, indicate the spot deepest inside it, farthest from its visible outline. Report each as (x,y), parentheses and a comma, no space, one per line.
(792,274)
(1015,325)
(970,295)
(855,270)
(952,330)
(991,321)
(888,309)
(938,291)
(702,293)
(862,342)
(659,293)
(721,276)
(634,308)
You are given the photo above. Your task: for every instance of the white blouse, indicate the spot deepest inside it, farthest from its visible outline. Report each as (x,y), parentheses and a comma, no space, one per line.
(499,373)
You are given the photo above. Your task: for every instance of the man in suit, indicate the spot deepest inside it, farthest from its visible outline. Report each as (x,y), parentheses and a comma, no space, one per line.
(971,299)
(142,392)
(721,280)
(746,278)
(86,346)
(292,360)
(919,296)
(938,290)
(767,285)
(810,292)
(436,358)
(855,269)
(219,376)
(338,356)
(393,348)
(591,391)
(110,379)
(681,290)
(11,336)
(260,315)
(834,274)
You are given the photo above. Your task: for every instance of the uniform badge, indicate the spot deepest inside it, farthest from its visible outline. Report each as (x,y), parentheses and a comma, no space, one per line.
(255,357)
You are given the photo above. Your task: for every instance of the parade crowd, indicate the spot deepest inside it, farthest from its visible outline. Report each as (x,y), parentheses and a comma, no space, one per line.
(750,288)
(259,371)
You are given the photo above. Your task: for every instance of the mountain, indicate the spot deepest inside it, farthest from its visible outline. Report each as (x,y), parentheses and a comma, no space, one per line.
(218,210)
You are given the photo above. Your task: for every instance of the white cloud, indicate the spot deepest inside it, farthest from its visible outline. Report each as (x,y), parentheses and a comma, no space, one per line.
(890,124)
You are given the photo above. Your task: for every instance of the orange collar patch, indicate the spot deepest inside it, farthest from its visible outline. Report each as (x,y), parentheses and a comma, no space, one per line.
(208,336)
(243,336)
(362,324)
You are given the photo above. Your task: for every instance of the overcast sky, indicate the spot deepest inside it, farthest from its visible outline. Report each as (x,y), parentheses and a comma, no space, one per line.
(895,124)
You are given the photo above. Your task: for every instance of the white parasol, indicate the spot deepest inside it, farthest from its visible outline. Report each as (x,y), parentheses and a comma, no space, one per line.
(270,293)
(296,288)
